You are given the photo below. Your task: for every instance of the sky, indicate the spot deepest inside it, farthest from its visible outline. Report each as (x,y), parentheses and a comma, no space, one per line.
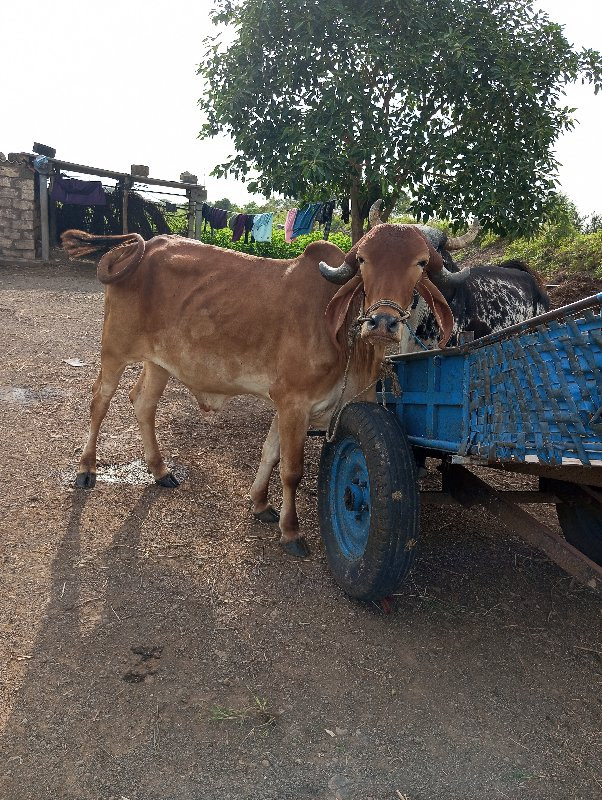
(114,84)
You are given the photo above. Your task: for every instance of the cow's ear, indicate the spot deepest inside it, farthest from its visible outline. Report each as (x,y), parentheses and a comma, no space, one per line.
(435,261)
(337,309)
(351,257)
(438,305)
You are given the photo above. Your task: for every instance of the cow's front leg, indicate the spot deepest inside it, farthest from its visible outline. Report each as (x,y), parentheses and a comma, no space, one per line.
(293,424)
(270,456)
(103,390)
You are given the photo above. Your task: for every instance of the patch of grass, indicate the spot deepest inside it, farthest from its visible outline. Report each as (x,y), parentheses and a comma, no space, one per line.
(256,711)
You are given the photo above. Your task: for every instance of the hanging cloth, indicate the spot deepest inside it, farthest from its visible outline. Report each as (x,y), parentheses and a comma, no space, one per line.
(205,212)
(324,217)
(237,224)
(345,210)
(77,192)
(218,219)
(306,216)
(249,220)
(288,225)
(262,227)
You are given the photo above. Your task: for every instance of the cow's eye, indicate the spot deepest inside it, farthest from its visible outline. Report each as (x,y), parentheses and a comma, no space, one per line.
(360,260)
(423,263)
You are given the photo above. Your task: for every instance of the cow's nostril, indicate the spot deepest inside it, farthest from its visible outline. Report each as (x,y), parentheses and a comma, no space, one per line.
(372,322)
(393,325)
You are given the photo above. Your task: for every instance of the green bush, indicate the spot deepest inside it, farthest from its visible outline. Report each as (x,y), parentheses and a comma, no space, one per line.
(583,253)
(550,252)
(277,248)
(564,242)
(177,221)
(489,238)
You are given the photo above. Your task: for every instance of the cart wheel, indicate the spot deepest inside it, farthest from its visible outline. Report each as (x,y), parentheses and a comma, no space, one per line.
(368,502)
(582,527)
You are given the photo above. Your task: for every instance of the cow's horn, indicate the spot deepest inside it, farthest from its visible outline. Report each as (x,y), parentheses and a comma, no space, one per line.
(458,242)
(340,274)
(374,214)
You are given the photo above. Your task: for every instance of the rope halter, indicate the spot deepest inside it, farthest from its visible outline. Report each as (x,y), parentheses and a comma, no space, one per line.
(365,317)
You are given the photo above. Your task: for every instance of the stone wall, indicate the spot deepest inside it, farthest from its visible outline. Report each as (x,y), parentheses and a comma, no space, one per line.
(19,208)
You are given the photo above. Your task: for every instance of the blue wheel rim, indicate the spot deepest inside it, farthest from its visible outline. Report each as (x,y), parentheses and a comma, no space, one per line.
(349,499)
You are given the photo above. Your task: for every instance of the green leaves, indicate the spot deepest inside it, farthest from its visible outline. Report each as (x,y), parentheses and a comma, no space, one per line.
(452,101)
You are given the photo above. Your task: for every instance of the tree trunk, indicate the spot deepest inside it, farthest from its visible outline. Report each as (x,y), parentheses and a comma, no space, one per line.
(357,225)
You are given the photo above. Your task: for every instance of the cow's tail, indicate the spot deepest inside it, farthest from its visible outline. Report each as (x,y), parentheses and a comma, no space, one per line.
(121,254)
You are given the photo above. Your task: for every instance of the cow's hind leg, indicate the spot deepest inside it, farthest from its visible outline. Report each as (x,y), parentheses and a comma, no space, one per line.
(293,424)
(102,392)
(270,456)
(144,397)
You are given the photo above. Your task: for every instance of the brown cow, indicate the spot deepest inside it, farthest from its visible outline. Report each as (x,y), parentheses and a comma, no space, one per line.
(226,323)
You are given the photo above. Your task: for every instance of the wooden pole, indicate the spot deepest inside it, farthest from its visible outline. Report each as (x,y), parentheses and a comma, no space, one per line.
(191,213)
(52,215)
(124,205)
(197,195)
(43,186)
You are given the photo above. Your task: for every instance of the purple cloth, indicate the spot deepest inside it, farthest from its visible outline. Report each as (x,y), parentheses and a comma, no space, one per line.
(77,192)
(218,219)
(238,225)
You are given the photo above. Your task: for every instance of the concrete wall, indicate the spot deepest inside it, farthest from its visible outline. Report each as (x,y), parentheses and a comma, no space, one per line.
(19,208)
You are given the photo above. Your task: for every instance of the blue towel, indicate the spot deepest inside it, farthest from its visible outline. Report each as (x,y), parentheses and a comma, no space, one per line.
(305,219)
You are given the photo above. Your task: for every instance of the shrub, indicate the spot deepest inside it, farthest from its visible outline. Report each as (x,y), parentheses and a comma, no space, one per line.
(177,221)
(277,248)
(583,253)
(548,253)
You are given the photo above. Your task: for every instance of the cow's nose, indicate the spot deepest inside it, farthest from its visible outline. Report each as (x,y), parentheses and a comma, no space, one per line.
(385,321)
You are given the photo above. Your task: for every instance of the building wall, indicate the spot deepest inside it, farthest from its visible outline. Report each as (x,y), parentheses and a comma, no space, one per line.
(19,208)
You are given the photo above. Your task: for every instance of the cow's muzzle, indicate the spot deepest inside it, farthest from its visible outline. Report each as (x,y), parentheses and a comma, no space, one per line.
(382,326)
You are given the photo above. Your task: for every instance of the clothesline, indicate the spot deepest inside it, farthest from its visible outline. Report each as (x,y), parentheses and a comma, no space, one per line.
(259,226)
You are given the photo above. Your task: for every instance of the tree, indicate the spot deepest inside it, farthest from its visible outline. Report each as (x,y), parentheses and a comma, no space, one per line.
(224,203)
(456,102)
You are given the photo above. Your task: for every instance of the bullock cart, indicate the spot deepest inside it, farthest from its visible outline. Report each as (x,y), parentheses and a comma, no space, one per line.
(525,400)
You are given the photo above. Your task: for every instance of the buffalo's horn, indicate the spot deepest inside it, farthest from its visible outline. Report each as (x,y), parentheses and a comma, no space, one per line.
(340,274)
(458,242)
(374,214)
(448,282)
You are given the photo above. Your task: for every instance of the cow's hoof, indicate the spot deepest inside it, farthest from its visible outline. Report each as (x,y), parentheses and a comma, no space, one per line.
(168,481)
(296,547)
(269,515)
(85,480)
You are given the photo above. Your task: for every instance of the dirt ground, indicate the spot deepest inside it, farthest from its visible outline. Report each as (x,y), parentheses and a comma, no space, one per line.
(159,645)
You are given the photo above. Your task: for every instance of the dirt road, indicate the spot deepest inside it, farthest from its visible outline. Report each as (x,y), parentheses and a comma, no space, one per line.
(158,645)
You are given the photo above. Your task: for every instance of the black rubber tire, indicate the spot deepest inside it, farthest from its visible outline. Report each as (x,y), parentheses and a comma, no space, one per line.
(394,503)
(581,525)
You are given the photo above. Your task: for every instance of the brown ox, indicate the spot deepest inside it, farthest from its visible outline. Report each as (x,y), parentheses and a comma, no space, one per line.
(226,323)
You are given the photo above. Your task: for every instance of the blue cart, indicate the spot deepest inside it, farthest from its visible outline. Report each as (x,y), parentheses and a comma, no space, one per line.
(526,400)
